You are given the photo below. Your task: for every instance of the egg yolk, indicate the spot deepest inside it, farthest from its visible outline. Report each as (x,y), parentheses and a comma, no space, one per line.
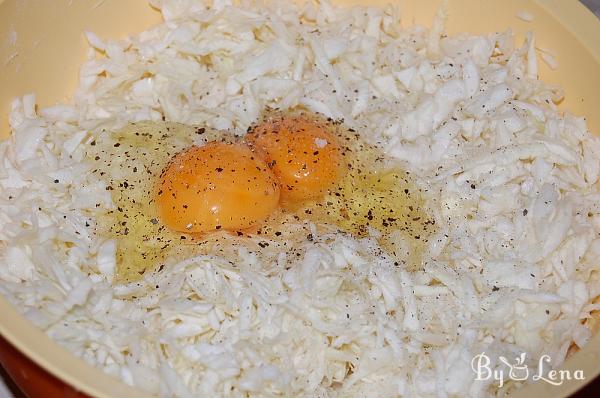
(303,153)
(216,186)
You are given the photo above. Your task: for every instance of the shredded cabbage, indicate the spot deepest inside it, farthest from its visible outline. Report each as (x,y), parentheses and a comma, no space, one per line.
(511,182)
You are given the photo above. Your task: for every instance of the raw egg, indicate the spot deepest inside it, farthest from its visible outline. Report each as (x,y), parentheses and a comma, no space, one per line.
(130,162)
(353,187)
(303,152)
(216,186)
(182,191)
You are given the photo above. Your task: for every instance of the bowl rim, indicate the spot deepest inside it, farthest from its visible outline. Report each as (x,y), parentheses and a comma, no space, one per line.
(59,362)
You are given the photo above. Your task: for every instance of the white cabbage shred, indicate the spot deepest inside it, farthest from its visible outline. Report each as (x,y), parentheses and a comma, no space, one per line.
(511,180)
(525,16)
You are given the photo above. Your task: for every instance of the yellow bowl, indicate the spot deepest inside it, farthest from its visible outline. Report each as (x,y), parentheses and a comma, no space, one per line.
(42,46)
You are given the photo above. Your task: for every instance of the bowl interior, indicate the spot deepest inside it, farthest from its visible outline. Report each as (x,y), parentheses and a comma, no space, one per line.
(42,46)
